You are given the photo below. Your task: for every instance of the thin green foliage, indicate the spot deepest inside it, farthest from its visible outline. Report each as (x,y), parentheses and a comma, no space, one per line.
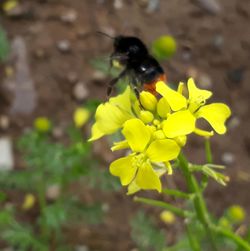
(145,234)
(4,45)
(48,163)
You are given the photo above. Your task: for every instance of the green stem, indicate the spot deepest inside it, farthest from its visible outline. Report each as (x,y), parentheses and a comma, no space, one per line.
(179,212)
(209,160)
(177,193)
(192,240)
(199,203)
(234,237)
(209,156)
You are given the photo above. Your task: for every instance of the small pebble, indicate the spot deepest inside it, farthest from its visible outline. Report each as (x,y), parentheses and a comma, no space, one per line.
(72,77)
(6,154)
(4,122)
(236,75)
(218,41)
(69,17)
(118,4)
(81,248)
(80,91)
(53,192)
(99,76)
(234,122)
(105,207)
(186,53)
(153,5)
(64,46)
(8,249)
(228,158)
(40,54)
(211,6)
(205,81)
(57,132)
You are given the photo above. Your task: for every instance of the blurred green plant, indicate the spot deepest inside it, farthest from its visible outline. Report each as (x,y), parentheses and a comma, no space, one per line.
(145,234)
(49,165)
(4,45)
(164,47)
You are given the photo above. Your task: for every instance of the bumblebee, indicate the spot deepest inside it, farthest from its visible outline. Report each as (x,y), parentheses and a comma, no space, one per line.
(138,64)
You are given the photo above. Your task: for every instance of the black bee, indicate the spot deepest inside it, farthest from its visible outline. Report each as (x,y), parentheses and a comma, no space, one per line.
(141,67)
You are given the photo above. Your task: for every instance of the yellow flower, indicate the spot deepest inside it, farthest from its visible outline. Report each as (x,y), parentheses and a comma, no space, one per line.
(111,115)
(167,217)
(187,111)
(28,202)
(138,166)
(42,124)
(80,117)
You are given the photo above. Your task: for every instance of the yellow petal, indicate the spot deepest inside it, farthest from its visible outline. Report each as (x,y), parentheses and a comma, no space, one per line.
(196,94)
(216,114)
(147,178)
(163,150)
(124,169)
(80,117)
(133,188)
(163,108)
(95,132)
(174,99)
(123,100)
(148,100)
(137,134)
(120,145)
(29,201)
(180,87)
(169,168)
(110,117)
(179,124)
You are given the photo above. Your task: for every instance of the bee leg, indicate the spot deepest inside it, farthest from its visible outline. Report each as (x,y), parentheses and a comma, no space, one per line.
(114,81)
(110,62)
(136,91)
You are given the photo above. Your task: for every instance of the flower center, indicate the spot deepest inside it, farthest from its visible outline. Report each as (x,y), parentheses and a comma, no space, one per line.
(139,160)
(195,104)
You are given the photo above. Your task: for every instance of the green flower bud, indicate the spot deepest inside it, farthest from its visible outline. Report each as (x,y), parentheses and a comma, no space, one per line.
(42,124)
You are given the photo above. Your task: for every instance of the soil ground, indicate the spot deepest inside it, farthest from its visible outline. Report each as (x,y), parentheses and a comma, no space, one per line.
(213,48)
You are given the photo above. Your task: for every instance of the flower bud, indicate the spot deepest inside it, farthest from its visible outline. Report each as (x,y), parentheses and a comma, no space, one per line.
(42,124)
(236,213)
(148,100)
(80,117)
(146,116)
(159,134)
(163,108)
(167,217)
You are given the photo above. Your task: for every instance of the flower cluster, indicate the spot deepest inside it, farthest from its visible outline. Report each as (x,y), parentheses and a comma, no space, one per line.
(155,130)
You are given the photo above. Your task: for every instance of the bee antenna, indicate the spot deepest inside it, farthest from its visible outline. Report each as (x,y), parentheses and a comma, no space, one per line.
(105,34)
